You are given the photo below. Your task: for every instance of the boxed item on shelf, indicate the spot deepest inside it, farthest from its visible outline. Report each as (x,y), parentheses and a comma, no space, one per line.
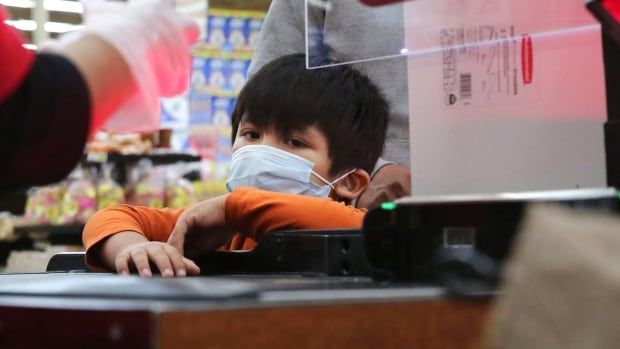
(217,31)
(217,76)
(233,30)
(237,34)
(236,77)
(216,71)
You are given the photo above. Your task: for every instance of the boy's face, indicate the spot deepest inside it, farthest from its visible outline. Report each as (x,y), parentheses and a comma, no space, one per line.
(310,144)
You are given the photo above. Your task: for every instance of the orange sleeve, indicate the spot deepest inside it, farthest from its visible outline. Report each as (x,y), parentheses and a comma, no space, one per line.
(254,212)
(154,224)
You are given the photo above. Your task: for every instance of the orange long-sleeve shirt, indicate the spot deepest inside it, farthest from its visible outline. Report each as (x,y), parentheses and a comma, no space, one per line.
(250,212)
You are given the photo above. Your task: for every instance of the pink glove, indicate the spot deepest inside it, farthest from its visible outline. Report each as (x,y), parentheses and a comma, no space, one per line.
(155,43)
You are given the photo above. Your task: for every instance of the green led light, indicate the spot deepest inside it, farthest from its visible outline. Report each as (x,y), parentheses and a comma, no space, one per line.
(388,206)
(618,195)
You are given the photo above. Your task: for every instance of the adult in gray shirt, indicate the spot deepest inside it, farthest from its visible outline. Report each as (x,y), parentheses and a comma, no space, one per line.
(349,31)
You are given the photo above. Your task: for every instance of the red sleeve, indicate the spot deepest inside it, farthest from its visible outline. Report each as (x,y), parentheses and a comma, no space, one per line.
(613,7)
(15,60)
(254,212)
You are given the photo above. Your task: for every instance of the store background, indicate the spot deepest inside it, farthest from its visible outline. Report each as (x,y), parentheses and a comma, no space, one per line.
(185,162)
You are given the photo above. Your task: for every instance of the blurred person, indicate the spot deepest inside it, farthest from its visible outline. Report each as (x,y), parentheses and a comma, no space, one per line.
(111,73)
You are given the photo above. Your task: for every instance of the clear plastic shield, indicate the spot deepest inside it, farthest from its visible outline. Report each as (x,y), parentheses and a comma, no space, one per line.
(499,95)
(351,31)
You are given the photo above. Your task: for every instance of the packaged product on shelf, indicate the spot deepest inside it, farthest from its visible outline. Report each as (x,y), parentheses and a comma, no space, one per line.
(254,25)
(222,110)
(109,193)
(43,205)
(6,226)
(238,70)
(216,32)
(199,191)
(198,81)
(233,30)
(203,140)
(79,201)
(212,188)
(215,73)
(237,34)
(179,191)
(133,177)
(150,193)
(200,108)
(213,182)
(223,152)
(148,189)
(199,95)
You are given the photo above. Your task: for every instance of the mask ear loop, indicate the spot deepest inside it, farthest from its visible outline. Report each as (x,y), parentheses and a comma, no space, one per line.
(331,184)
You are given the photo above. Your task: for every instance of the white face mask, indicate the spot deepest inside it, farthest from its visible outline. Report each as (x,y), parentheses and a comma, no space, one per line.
(269,168)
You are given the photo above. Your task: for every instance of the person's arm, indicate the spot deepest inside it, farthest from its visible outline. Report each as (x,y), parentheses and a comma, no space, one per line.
(44,108)
(107,75)
(122,236)
(144,45)
(44,124)
(48,104)
(253,213)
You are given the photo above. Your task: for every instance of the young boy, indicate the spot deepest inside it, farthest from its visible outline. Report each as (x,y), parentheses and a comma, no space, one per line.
(304,142)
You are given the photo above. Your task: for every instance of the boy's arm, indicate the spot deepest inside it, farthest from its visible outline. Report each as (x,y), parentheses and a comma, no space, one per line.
(254,213)
(118,236)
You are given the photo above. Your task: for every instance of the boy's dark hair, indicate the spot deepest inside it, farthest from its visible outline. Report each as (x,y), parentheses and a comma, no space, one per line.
(340,101)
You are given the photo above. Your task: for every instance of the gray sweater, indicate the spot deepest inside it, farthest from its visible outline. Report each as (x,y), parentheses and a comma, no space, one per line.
(350,31)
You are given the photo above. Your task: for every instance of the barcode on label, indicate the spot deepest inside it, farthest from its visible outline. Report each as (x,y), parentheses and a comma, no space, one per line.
(465,86)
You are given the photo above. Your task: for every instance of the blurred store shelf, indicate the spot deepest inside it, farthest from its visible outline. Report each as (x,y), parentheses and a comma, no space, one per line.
(122,159)
(69,234)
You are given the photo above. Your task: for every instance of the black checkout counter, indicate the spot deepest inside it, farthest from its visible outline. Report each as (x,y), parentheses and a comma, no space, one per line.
(296,289)
(421,273)
(75,310)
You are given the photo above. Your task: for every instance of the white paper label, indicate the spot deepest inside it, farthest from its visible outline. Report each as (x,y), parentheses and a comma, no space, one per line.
(487,64)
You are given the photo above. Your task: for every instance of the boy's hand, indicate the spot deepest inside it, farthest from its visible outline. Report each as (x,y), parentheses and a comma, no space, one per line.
(201,228)
(389,183)
(168,260)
